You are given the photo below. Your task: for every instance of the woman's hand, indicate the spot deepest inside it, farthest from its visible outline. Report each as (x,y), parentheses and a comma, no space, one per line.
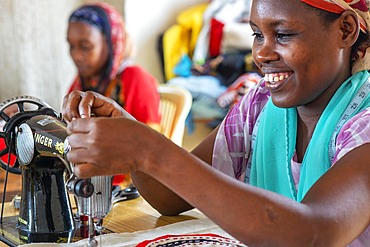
(79,104)
(95,141)
(109,146)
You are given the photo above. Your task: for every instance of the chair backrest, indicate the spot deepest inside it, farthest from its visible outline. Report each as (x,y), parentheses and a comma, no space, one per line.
(174,107)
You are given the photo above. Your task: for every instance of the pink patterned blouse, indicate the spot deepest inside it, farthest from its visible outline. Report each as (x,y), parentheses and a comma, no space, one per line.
(232,146)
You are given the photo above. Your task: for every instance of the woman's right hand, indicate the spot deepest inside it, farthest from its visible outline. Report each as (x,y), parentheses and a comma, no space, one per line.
(78,104)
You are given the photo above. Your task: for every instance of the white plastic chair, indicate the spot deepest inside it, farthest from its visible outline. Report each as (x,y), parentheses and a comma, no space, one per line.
(174,107)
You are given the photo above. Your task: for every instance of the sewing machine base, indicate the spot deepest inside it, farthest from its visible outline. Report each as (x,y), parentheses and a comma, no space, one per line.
(9,234)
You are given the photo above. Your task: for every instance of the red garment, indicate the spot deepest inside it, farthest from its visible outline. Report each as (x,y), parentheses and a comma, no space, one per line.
(141,95)
(137,93)
(215,37)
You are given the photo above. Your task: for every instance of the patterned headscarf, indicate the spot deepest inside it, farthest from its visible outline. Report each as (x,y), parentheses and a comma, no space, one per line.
(361,7)
(109,21)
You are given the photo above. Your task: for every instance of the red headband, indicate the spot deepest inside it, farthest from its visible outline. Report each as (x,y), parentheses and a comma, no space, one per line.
(333,6)
(338,6)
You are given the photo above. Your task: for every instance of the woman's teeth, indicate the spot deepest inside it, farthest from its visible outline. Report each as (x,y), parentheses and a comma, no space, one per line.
(276,77)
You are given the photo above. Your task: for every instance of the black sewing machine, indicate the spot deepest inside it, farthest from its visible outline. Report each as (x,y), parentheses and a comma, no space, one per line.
(34,134)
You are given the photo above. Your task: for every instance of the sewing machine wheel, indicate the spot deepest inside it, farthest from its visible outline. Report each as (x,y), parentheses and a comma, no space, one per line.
(13,112)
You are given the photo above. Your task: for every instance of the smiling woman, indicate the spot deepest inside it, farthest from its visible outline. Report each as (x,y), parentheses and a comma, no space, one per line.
(291,155)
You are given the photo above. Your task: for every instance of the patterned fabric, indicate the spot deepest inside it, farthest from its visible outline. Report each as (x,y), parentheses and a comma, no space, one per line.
(189,240)
(89,16)
(233,141)
(238,89)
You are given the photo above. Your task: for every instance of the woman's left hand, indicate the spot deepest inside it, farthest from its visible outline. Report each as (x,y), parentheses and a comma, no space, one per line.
(78,104)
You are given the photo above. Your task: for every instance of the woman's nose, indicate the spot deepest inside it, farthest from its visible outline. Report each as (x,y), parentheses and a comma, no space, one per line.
(266,52)
(77,56)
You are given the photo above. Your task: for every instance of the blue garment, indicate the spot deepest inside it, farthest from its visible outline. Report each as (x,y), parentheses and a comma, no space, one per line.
(276,133)
(205,91)
(183,67)
(200,85)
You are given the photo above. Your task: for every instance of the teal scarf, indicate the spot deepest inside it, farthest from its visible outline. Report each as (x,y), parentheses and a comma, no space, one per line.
(275,141)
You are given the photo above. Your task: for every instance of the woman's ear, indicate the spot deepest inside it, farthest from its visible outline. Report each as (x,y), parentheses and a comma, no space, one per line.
(349,26)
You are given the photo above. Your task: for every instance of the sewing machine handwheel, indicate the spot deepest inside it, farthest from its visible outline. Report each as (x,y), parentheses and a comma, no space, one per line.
(13,112)
(4,154)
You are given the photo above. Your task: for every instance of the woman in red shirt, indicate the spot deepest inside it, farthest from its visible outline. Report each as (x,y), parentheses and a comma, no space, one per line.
(101,51)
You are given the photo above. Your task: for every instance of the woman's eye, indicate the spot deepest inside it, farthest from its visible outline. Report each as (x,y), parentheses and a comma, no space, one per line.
(86,47)
(283,36)
(257,35)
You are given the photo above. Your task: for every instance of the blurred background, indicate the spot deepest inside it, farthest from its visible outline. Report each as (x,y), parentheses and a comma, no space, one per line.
(34,53)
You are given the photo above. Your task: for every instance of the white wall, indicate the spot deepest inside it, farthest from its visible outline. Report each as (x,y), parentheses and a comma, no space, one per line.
(146,20)
(34,57)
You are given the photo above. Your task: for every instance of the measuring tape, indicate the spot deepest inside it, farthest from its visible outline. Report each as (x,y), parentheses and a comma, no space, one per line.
(355,103)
